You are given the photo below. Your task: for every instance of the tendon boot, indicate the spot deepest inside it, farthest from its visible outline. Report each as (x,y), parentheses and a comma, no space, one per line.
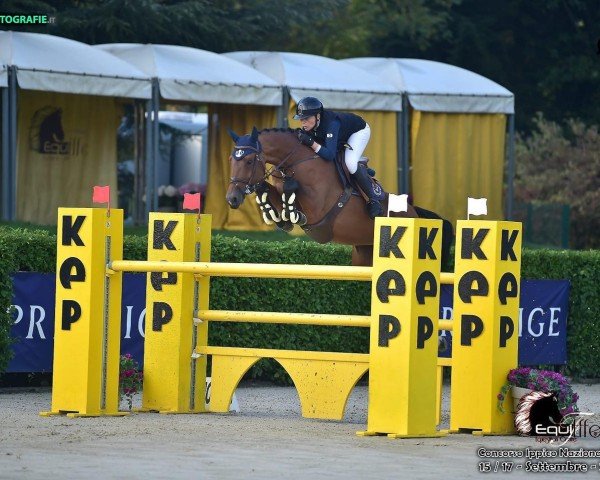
(366,185)
(289,211)
(269,214)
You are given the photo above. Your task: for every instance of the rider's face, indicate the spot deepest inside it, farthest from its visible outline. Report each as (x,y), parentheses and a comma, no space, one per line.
(309,123)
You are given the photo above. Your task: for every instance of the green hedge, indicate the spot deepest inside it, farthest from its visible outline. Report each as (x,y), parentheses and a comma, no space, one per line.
(582,269)
(27,250)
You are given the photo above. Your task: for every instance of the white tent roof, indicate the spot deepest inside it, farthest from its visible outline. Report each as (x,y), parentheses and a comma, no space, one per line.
(197,75)
(439,87)
(337,84)
(56,64)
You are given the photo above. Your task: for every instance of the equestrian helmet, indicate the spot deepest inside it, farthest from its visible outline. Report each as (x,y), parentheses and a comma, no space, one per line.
(307,107)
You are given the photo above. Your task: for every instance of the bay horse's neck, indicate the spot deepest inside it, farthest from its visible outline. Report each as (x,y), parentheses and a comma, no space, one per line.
(277,145)
(320,187)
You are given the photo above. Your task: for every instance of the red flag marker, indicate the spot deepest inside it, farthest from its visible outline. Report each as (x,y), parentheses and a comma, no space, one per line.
(191,201)
(101,195)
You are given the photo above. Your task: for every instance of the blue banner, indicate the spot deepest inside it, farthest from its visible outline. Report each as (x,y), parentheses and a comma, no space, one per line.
(543,311)
(542,320)
(33,330)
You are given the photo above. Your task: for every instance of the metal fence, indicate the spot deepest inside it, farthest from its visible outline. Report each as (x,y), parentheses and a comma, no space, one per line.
(544,224)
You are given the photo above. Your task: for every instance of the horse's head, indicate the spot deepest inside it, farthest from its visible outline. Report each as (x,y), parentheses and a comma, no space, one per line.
(247,168)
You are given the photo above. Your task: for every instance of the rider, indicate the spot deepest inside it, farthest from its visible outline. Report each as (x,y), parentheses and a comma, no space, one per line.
(326,132)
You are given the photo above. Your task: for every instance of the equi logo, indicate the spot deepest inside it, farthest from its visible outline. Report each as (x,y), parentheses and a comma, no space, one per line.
(47,136)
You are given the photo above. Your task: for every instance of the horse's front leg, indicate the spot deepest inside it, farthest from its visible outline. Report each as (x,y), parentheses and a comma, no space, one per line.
(288,197)
(270,206)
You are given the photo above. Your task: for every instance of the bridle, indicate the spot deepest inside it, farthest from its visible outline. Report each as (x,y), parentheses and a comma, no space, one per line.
(249,187)
(281,168)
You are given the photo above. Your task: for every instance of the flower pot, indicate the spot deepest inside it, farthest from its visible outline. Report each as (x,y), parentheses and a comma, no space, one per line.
(517,393)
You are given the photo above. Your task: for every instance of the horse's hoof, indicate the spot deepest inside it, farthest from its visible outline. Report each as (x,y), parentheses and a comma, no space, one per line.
(286,226)
(301,219)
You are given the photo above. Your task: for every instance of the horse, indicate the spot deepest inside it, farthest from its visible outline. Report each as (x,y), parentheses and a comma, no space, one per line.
(332,213)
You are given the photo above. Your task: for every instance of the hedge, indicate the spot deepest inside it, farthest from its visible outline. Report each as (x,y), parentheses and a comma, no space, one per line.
(30,250)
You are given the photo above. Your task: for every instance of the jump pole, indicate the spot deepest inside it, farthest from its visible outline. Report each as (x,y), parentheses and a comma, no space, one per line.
(87,325)
(404,325)
(486,319)
(174,376)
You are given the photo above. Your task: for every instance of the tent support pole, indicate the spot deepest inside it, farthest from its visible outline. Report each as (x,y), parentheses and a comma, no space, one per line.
(140,157)
(5,156)
(403,147)
(9,146)
(155,140)
(511,167)
(150,159)
(282,111)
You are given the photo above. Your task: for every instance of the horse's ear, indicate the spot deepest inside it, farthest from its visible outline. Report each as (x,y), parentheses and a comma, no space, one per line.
(233,135)
(254,136)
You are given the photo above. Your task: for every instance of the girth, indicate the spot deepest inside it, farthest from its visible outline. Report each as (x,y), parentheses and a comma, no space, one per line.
(322,231)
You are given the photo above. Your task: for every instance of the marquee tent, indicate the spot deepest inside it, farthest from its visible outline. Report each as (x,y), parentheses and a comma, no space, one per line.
(61,140)
(339,85)
(457,122)
(238,98)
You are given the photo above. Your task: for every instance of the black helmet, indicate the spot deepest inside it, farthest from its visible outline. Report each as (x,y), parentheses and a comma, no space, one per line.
(307,107)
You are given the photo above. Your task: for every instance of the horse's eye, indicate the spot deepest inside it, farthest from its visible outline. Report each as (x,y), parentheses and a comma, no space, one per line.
(249,162)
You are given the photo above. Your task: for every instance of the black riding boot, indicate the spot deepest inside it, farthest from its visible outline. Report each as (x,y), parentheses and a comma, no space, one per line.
(364,182)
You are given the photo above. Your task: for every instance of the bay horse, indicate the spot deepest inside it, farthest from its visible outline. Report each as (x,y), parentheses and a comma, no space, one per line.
(332,213)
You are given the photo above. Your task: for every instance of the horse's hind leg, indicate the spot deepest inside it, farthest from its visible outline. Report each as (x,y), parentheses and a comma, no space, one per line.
(362,255)
(447,235)
(447,239)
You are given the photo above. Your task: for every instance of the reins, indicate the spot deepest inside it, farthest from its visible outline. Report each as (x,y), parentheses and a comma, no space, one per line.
(280,168)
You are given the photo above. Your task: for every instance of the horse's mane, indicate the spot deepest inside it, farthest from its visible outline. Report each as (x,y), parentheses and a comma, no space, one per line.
(278,130)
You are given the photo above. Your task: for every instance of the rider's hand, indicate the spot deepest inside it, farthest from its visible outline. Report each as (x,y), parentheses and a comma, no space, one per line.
(306,138)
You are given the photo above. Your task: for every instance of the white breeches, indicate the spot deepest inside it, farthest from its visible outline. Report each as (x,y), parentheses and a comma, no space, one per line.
(358,141)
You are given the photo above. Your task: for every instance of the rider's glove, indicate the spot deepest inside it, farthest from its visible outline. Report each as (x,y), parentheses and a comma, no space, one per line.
(306,138)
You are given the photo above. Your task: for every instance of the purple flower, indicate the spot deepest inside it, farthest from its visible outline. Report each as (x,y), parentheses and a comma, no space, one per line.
(500,397)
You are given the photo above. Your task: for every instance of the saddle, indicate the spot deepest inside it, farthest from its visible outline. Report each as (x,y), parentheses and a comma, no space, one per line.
(348,181)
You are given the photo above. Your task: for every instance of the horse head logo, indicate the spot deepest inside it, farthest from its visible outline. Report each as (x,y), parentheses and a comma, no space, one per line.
(536,412)
(46,133)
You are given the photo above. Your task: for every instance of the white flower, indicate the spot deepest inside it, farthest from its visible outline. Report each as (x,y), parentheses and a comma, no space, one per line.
(161,190)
